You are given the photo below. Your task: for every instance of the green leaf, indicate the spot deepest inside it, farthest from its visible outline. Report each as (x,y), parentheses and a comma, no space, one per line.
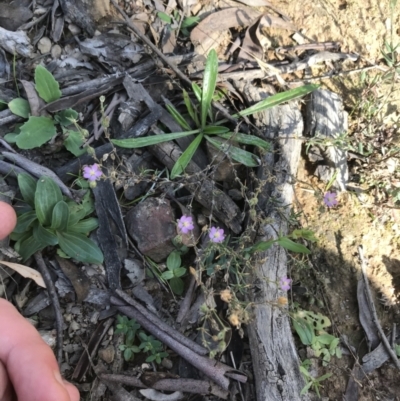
(177,116)
(164,17)
(216,130)
(46,85)
(197,91)
(20,107)
(325,339)
(24,222)
(261,246)
(304,233)
(60,217)
(277,99)
(128,354)
(324,377)
(189,22)
(209,83)
(151,140)
(76,212)
(179,272)
(192,112)
(64,117)
(79,247)
(73,142)
(167,275)
(44,235)
(174,260)
(247,140)
(306,388)
(11,137)
(47,195)
(176,285)
(292,246)
(84,226)
(185,157)
(304,330)
(28,247)
(27,186)
(235,153)
(35,132)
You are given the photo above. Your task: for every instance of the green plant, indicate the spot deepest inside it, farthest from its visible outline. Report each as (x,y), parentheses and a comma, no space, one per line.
(48,219)
(175,22)
(40,129)
(312,382)
(148,344)
(174,273)
(310,327)
(208,128)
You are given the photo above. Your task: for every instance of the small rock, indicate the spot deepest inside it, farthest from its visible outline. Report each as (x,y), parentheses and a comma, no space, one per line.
(44,45)
(75,30)
(152,225)
(107,354)
(56,51)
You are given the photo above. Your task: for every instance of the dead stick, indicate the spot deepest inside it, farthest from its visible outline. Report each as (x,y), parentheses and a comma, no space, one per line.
(162,325)
(215,370)
(373,310)
(51,289)
(184,385)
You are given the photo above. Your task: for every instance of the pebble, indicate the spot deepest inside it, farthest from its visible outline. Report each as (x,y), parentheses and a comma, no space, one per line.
(56,51)
(44,45)
(75,30)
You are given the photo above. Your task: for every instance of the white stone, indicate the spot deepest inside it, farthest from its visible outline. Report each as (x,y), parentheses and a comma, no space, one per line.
(44,45)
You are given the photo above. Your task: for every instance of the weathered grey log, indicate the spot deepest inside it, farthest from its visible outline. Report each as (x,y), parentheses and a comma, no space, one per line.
(327,120)
(275,360)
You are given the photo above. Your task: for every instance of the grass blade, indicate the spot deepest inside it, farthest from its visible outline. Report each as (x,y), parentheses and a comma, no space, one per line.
(178,117)
(185,157)
(151,140)
(209,83)
(277,99)
(192,112)
(235,153)
(247,139)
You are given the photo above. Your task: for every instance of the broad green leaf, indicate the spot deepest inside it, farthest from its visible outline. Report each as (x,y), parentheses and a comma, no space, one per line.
(35,132)
(60,217)
(167,275)
(292,246)
(197,91)
(73,142)
(151,140)
(306,388)
(27,186)
(215,130)
(304,330)
(164,17)
(84,226)
(174,260)
(47,195)
(235,153)
(64,117)
(176,285)
(325,338)
(28,247)
(88,203)
(79,247)
(20,107)
(44,235)
(209,83)
(277,99)
(189,106)
(24,222)
(76,212)
(178,117)
(46,85)
(185,157)
(247,140)
(188,22)
(11,137)
(179,272)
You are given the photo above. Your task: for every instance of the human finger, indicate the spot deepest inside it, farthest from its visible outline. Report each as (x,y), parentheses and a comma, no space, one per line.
(8,219)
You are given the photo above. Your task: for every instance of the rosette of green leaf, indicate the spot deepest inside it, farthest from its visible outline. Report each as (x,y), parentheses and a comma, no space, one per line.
(205,97)
(50,220)
(174,273)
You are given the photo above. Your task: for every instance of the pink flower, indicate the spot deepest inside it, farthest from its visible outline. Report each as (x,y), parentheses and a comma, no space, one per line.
(216,234)
(92,173)
(330,199)
(185,224)
(285,283)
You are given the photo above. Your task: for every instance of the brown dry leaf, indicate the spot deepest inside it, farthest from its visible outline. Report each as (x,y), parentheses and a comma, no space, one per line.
(33,97)
(26,272)
(207,34)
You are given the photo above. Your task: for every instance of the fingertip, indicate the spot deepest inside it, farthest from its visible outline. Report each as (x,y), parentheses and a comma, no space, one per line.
(8,219)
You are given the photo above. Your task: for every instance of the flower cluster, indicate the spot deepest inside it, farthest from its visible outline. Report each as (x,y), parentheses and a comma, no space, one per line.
(185,224)
(330,199)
